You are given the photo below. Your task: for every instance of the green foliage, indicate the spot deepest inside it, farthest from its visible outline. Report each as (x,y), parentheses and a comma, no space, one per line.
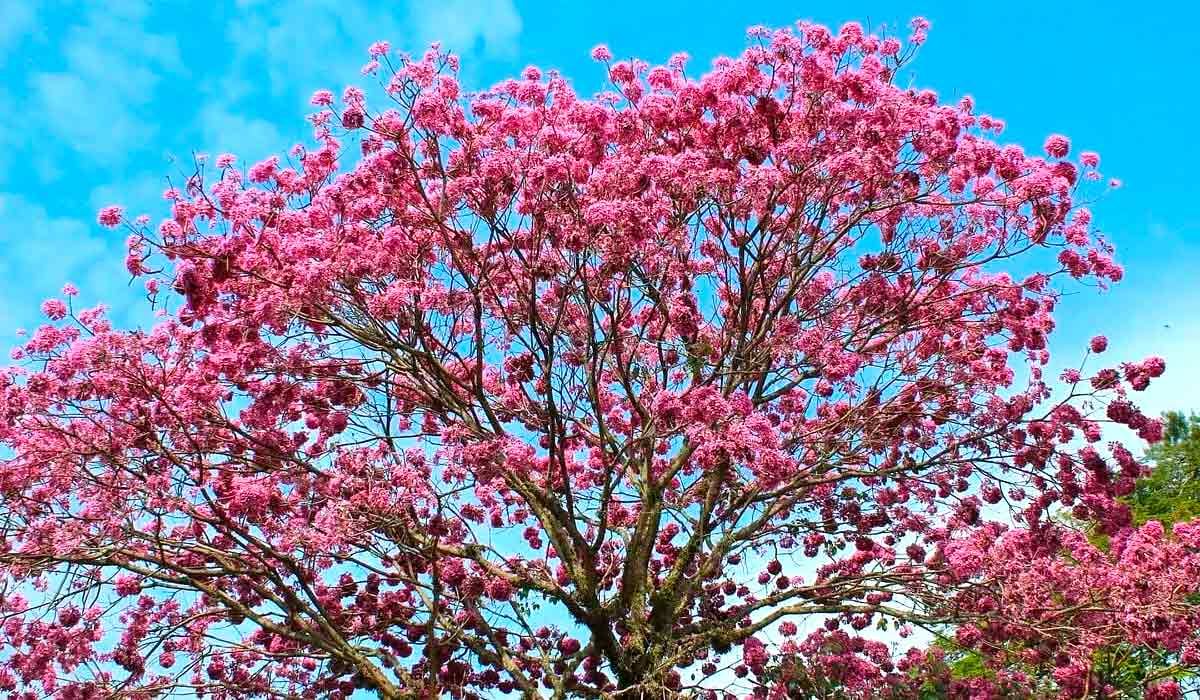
(1172,491)
(970,665)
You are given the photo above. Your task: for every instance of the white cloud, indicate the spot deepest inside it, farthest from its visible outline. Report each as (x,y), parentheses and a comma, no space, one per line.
(41,252)
(138,196)
(249,138)
(284,50)
(20,19)
(112,68)
(8,140)
(461,24)
(304,45)
(89,120)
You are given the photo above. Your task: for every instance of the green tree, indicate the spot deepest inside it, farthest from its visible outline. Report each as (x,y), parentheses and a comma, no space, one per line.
(1172,491)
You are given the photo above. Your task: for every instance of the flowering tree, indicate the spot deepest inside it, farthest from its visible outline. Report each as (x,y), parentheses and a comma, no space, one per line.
(1168,496)
(674,390)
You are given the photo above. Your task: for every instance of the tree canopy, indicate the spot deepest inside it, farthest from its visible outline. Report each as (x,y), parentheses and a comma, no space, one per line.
(686,389)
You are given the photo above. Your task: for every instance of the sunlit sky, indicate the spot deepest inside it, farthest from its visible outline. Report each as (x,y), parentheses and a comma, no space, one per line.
(105,100)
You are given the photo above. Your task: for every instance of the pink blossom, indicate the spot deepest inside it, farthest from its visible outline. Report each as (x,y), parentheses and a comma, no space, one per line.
(127,585)
(69,616)
(110,216)
(1163,690)
(54,309)
(1057,146)
(754,653)
(919,26)
(499,589)
(264,170)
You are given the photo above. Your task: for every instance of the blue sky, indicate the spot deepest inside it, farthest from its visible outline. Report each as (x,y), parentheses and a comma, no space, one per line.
(106,99)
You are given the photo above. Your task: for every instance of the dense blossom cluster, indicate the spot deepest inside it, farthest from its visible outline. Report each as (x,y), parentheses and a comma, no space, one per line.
(681,388)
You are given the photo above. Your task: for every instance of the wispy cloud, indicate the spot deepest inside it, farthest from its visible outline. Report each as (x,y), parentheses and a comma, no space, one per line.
(485,27)
(95,103)
(42,251)
(250,138)
(20,17)
(302,45)
(139,195)
(116,91)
